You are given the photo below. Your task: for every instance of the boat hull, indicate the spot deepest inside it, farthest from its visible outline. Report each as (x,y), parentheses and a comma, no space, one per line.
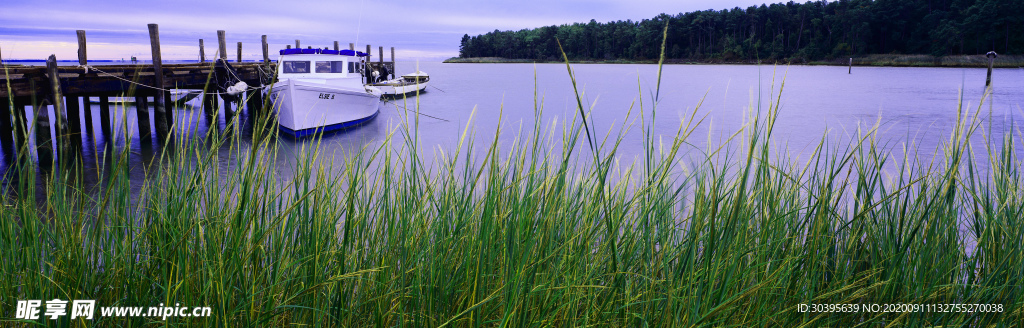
(392,90)
(305,108)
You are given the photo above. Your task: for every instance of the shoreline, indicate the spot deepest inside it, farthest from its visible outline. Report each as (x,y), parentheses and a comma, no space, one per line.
(959,61)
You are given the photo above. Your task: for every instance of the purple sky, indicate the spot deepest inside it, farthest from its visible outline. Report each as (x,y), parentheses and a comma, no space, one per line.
(427,30)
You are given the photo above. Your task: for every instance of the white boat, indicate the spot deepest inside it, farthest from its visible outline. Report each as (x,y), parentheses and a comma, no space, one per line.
(409,83)
(321,90)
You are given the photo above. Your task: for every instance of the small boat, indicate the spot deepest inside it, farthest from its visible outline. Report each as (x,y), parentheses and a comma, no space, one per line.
(409,83)
(322,90)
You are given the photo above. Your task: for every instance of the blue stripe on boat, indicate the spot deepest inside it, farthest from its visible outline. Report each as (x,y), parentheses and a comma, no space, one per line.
(333,127)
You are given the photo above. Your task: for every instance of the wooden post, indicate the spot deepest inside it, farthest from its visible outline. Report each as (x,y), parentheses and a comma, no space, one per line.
(57,99)
(82,58)
(352,46)
(335,45)
(142,111)
(164,117)
(991,62)
(223,46)
(210,106)
(392,62)
(105,116)
(87,110)
(239,52)
(44,144)
(73,109)
(6,109)
(851,67)
(288,46)
(297,44)
(202,52)
(266,50)
(20,123)
(367,70)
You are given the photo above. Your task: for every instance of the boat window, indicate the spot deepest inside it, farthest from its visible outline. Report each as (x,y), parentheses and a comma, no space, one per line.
(296,67)
(353,67)
(337,66)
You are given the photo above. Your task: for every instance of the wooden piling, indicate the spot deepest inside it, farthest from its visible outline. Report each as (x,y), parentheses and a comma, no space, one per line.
(20,124)
(352,46)
(266,50)
(44,143)
(142,112)
(288,46)
(393,66)
(105,116)
(239,52)
(366,71)
(87,111)
(73,109)
(6,129)
(202,52)
(851,67)
(210,106)
(163,115)
(991,61)
(297,44)
(222,45)
(82,58)
(335,45)
(57,100)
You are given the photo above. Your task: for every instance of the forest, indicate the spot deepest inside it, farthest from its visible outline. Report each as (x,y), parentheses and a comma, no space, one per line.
(800,32)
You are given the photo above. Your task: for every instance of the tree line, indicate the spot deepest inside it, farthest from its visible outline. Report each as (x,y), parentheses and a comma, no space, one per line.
(813,30)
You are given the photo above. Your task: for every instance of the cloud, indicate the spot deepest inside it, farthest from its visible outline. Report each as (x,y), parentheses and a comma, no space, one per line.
(117,28)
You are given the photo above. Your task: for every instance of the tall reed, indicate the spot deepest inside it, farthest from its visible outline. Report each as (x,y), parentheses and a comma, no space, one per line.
(550,231)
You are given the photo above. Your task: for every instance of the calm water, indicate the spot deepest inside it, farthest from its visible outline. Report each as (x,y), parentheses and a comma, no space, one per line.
(915,105)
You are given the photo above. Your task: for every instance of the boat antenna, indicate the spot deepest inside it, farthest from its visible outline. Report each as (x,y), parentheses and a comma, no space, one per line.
(360,21)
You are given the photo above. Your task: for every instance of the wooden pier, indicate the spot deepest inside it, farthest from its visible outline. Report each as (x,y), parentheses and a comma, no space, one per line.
(56,94)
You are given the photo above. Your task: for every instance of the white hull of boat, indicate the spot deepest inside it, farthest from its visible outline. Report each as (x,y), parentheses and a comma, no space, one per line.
(396,89)
(305,107)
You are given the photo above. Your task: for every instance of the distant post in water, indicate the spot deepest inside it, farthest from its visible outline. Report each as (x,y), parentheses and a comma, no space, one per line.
(239,52)
(851,67)
(164,117)
(222,45)
(335,45)
(298,45)
(393,65)
(202,52)
(266,50)
(991,61)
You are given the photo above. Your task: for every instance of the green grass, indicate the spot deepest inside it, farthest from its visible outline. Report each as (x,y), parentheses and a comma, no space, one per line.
(549,231)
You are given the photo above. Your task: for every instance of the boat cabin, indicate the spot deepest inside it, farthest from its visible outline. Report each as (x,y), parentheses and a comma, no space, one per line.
(320,64)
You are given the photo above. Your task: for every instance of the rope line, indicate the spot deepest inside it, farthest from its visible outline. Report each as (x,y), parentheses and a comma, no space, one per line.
(90,67)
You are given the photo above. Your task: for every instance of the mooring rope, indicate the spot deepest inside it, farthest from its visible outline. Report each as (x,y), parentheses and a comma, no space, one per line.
(90,67)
